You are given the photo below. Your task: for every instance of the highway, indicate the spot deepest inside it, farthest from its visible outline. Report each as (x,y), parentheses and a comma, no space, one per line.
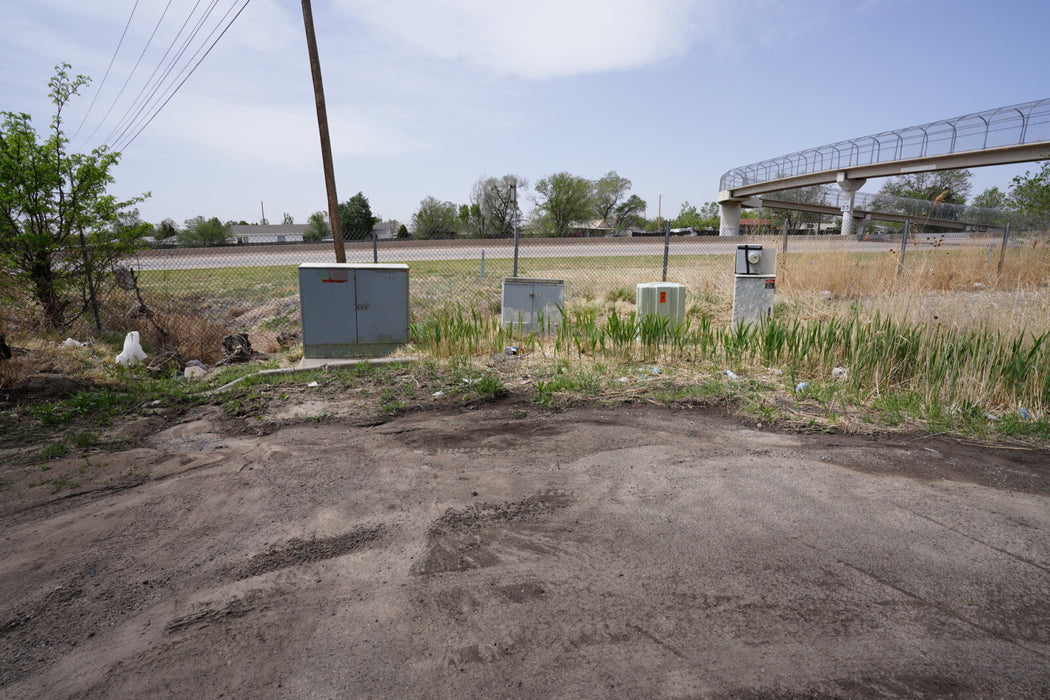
(409,251)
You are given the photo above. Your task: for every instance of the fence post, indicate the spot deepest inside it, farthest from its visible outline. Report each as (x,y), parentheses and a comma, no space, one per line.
(482,263)
(904,244)
(514,204)
(375,247)
(667,245)
(515,249)
(1002,250)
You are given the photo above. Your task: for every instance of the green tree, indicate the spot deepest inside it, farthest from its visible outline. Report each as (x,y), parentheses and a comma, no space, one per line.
(402,231)
(435,219)
(166,229)
(630,212)
(317,228)
(991,198)
(703,218)
(1030,193)
(563,199)
(493,209)
(792,218)
(990,207)
(610,191)
(128,222)
(941,186)
(356,219)
(200,232)
(59,229)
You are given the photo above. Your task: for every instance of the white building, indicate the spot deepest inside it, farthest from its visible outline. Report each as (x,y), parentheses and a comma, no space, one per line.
(268,233)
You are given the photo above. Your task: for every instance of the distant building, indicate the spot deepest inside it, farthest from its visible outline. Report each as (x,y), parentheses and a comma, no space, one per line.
(268,233)
(750,227)
(386,230)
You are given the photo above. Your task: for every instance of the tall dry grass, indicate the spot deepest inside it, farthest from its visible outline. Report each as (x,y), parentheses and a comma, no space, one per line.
(959,288)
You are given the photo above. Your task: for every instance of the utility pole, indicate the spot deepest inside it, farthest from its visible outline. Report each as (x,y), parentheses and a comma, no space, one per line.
(322,126)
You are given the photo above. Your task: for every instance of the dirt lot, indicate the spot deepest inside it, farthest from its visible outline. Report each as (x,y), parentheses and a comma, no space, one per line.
(504,550)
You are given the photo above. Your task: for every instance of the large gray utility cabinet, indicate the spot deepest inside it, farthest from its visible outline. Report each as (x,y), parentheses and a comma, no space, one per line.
(353,310)
(532,304)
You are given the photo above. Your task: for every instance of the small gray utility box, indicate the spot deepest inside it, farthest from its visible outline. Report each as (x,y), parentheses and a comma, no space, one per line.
(755,281)
(353,310)
(532,304)
(665,299)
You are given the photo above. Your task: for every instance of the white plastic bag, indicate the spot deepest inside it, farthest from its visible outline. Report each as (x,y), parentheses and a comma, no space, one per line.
(133,352)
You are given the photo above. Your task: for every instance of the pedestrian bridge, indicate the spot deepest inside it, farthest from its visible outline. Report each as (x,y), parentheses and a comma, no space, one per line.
(1014,134)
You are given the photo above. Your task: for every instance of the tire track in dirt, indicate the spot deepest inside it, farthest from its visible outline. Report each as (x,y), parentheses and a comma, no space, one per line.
(298,552)
(469,538)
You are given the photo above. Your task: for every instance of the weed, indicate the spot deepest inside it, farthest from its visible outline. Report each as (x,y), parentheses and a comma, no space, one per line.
(490,386)
(86,440)
(55,450)
(62,482)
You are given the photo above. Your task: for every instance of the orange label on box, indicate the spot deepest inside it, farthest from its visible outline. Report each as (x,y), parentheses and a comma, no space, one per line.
(663,297)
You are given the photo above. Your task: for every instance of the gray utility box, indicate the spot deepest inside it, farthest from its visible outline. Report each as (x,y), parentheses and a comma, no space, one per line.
(353,310)
(660,299)
(755,284)
(531,304)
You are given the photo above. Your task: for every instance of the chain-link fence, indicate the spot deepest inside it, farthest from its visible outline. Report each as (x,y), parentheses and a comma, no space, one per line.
(189,298)
(204,293)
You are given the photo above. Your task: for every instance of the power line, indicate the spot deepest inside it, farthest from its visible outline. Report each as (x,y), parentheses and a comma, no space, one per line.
(133,69)
(194,68)
(126,121)
(108,68)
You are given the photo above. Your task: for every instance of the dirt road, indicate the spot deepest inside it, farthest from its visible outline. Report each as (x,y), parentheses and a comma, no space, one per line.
(507,551)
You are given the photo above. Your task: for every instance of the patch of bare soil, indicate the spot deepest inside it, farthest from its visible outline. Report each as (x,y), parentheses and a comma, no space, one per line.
(506,550)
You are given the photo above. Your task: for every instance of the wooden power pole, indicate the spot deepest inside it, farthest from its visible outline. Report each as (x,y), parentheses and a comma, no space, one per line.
(326,142)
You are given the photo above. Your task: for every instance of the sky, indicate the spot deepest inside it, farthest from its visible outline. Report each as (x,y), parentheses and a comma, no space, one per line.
(424,97)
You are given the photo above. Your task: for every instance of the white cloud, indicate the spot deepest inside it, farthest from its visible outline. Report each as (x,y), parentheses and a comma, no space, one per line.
(542,38)
(269,134)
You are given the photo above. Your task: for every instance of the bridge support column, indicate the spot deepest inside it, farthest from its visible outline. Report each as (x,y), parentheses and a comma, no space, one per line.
(729,219)
(850,187)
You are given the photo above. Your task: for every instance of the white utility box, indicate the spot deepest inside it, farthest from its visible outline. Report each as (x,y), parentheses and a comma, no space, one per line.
(665,299)
(351,310)
(532,304)
(755,284)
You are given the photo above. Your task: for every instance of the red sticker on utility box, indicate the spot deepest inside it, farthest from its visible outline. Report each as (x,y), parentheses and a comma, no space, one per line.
(663,297)
(336,276)
(771,283)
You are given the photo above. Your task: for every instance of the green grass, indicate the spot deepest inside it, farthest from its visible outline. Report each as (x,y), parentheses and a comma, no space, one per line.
(897,372)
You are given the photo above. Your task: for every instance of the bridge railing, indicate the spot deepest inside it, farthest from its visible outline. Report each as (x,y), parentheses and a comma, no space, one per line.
(833,197)
(1016,125)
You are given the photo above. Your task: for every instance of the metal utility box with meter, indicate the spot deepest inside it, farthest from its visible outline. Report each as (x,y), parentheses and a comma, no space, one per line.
(661,299)
(755,284)
(351,310)
(532,304)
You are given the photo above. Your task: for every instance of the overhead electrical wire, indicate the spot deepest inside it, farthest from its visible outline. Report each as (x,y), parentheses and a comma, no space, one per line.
(124,144)
(112,58)
(183,55)
(138,107)
(133,69)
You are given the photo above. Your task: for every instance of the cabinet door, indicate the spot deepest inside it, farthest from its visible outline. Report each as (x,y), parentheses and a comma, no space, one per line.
(517,304)
(328,306)
(382,306)
(546,300)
